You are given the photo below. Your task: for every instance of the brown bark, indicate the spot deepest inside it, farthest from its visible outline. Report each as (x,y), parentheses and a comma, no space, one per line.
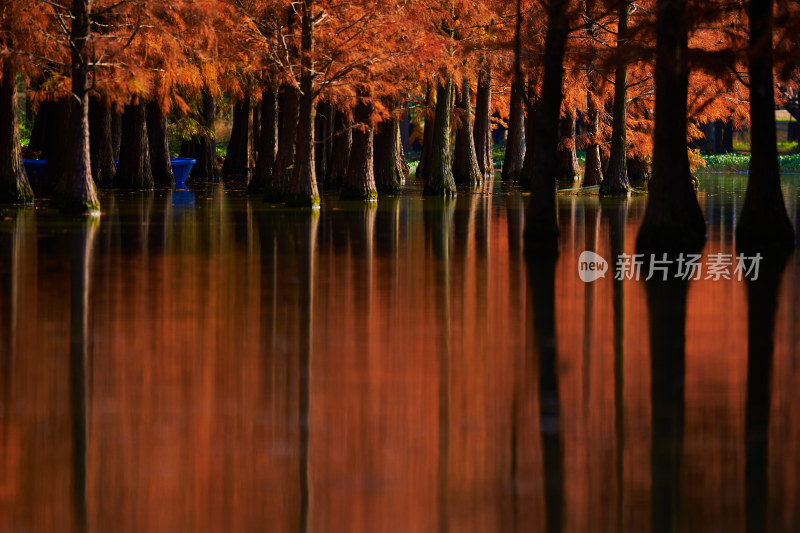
(593,169)
(238,162)
(530,131)
(14,186)
(515,142)
(466,171)
(268,142)
(303,190)
(673,221)
(75,192)
(440,178)
(541,226)
(101,142)
(389,176)
(359,181)
(615,180)
(340,154)
(134,170)
(158,145)
(282,171)
(764,221)
(483,123)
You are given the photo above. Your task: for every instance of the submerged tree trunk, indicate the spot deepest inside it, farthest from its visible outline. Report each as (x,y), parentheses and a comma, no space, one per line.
(158,145)
(102,145)
(466,171)
(483,123)
(203,148)
(389,175)
(303,190)
(763,221)
(359,181)
(593,170)
(440,178)
(425,158)
(340,154)
(278,186)
(134,170)
(239,160)
(567,157)
(673,221)
(267,142)
(75,191)
(615,180)
(515,142)
(541,225)
(14,186)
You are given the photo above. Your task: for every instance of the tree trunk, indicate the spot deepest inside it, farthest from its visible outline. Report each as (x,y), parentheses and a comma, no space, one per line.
(615,180)
(116,131)
(102,147)
(76,192)
(673,221)
(763,222)
(530,131)
(134,170)
(567,157)
(483,123)
(303,190)
(255,123)
(541,225)
(639,171)
(402,165)
(515,142)
(387,167)
(593,170)
(359,181)
(159,147)
(239,160)
(466,171)
(14,186)
(425,158)
(340,155)
(282,172)
(727,138)
(440,178)
(268,142)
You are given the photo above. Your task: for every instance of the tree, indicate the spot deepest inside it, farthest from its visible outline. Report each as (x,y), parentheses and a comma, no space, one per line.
(439,181)
(359,180)
(541,226)
(466,171)
(763,221)
(14,186)
(515,143)
(615,180)
(673,220)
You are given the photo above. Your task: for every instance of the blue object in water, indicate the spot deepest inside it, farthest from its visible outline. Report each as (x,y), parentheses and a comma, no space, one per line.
(34,168)
(181,166)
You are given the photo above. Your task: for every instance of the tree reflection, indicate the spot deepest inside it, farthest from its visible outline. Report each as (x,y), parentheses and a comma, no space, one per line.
(666,301)
(541,277)
(82,244)
(762,300)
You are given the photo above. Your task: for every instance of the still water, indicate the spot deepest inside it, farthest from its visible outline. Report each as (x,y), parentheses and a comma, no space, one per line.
(197,361)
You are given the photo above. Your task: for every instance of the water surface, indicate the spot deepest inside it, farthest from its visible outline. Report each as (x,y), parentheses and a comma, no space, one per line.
(201,361)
